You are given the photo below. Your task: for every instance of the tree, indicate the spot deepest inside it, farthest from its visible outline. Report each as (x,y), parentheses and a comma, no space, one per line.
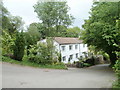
(16,24)
(100,29)
(19,46)
(73,32)
(10,23)
(53,15)
(33,31)
(4,20)
(32,35)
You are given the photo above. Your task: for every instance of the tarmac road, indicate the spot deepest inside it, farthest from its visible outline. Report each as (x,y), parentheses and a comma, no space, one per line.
(17,76)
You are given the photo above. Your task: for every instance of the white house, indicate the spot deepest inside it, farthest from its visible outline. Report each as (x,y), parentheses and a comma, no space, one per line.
(70,48)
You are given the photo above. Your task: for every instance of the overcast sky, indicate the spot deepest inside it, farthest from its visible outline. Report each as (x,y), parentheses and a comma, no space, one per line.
(24,9)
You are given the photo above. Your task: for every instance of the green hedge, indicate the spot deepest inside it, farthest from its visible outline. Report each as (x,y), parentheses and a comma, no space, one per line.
(117,70)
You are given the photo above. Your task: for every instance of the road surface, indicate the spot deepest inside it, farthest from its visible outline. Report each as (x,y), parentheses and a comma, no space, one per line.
(17,76)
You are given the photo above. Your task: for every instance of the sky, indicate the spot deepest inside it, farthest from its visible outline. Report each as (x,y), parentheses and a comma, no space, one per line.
(24,8)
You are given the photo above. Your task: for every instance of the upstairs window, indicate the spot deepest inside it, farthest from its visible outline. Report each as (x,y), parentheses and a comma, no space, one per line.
(70,47)
(63,48)
(83,45)
(76,46)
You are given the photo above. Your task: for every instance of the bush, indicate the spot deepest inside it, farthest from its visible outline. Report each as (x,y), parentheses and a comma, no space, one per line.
(43,53)
(7,42)
(79,64)
(86,65)
(19,46)
(117,70)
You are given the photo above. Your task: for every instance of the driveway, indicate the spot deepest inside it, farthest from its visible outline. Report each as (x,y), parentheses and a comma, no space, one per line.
(16,76)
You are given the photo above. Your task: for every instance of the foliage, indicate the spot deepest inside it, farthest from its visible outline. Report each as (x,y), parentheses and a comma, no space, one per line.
(9,26)
(10,23)
(53,15)
(86,64)
(59,57)
(4,19)
(7,42)
(27,63)
(73,32)
(19,46)
(101,31)
(32,35)
(33,31)
(16,24)
(117,70)
(43,52)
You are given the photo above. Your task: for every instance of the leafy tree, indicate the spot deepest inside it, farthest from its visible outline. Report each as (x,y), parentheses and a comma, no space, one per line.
(73,32)
(4,20)
(19,46)
(10,23)
(100,29)
(32,35)
(16,24)
(53,15)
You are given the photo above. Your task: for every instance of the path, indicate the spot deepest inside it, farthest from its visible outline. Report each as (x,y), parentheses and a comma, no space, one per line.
(16,76)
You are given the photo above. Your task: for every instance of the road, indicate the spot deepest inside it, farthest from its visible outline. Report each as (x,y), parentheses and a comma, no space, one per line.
(17,76)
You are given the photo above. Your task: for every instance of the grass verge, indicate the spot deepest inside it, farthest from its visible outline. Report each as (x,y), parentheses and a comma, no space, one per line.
(27,63)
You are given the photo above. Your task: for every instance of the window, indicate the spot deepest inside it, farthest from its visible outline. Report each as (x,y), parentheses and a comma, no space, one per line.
(76,55)
(64,58)
(63,48)
(83,45)
(76,46)
(70,47)
(71,57)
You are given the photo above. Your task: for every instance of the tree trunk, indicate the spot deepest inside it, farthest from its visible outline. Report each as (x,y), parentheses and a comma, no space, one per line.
(113,58)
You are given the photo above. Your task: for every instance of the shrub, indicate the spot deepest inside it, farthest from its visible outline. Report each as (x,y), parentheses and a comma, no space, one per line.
(86,65)
(19,46)
(117,70)
(79,64)
(7,42)
(43,53)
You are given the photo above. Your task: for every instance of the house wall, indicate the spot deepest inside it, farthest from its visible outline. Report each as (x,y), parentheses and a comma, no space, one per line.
(67,52)
(83,48)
